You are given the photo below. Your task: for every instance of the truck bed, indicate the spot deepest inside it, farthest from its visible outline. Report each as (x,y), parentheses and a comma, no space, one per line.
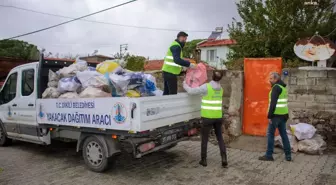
(119,113)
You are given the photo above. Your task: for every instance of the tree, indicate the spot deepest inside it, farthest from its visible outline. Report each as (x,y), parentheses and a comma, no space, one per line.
(270,28)
(135,63)
(190,48)
(18,49)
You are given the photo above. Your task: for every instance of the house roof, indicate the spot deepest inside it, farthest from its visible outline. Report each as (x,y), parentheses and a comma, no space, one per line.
(221,42)
(153,65)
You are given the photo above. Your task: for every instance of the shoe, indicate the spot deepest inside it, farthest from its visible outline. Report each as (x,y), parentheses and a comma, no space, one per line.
(224,161)
(203,162)
(288,159)
(265,158)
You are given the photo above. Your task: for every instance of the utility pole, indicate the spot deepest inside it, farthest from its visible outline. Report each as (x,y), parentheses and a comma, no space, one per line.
(123,47)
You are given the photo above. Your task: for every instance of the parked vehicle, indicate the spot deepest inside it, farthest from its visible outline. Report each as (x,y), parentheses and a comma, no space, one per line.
(102,127)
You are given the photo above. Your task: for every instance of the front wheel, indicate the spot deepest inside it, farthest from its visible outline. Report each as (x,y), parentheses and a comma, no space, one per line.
(4,140)
(94,155)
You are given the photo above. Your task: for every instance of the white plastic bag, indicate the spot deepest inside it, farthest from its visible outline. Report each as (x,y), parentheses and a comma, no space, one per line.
(50,92)
(72,70)
(92,92)
(303,131)
(150,78)
(53,84)
(69,95)
(53,76)
(158,92)
(120,82)
(81,62)
(70,84)
(292,140)
(315,145)
(92,78)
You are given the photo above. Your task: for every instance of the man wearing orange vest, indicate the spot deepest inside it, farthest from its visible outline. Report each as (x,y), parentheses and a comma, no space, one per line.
(173,64)
(211,113)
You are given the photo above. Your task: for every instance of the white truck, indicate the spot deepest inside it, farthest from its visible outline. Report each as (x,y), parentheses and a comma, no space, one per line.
(102,127)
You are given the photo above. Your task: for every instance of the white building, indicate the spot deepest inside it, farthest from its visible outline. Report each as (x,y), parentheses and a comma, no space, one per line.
(214,50)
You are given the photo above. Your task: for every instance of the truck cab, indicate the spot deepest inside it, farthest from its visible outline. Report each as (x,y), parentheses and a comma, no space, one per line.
(17,104)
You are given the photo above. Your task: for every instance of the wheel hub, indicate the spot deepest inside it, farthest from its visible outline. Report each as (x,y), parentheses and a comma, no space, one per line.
(94,153)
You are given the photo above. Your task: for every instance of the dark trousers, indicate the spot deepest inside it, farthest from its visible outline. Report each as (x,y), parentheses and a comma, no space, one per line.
(170,83)
(280,124)
(208,124)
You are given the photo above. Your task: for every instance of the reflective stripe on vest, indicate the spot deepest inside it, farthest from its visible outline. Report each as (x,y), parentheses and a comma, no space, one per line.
(282,103)
(169,65)
(212,103)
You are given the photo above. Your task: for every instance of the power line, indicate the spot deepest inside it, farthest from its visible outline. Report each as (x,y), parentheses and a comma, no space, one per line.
(122,4)
(102,22)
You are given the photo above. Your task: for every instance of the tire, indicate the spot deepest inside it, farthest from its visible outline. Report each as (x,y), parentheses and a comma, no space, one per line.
(94,155)
(4,140)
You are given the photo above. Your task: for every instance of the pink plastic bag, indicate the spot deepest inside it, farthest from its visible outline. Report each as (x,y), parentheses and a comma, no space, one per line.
(196,77)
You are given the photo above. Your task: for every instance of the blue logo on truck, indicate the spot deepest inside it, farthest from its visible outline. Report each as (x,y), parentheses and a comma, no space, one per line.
(119,112)
(41,114)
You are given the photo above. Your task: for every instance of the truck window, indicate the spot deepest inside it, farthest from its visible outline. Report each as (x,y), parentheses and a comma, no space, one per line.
(27,87)
(8,92)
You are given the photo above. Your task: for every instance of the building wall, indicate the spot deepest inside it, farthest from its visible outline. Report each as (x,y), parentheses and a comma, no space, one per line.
(312,99)
(222,52)
(232,84)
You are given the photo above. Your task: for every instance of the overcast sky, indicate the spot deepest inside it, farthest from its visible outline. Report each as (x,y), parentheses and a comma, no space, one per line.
(81,37)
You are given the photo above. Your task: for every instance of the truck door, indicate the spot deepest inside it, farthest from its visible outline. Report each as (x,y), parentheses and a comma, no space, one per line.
(9,105)
(26,119)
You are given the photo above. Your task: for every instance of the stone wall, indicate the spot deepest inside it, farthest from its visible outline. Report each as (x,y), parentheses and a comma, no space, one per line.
(312,99)
(232,84)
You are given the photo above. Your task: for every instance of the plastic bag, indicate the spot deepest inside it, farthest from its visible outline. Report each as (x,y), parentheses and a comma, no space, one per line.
(92,92)
(196,77)
(92,78)
(315,145)
(72,70)
(69,95)
(53,84)
(158,92)
(150,78)
(144,92)
(303,131)
(51,92)
(53,76)
(70,84)
(132,93)
(91,68)
(135,79)
(120,83)
(107,66)
(80,62)
(292,140)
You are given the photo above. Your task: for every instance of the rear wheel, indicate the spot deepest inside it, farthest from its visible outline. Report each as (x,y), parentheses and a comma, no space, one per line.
(94,155)
(4,141)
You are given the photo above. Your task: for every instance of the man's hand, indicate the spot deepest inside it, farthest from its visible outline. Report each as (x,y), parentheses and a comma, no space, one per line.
(269,121)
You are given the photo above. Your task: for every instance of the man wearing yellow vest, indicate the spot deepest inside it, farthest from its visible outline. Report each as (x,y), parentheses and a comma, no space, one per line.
(211,113)
(173,64)
(277,117)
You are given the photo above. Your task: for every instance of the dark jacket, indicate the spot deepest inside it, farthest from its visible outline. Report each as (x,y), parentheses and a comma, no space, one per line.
(276,91)
(176,51)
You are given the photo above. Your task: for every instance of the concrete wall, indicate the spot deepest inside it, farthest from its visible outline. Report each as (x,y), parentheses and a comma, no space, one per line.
(232,84)
(312,99)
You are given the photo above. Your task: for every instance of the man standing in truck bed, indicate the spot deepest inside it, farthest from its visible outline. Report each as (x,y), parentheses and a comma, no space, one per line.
(173,64)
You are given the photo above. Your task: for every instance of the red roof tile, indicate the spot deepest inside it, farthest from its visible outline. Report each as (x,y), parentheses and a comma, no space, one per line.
(222,42)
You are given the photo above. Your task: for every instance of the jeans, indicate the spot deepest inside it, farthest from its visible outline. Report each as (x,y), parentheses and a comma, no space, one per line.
(279,123)
(208,124)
